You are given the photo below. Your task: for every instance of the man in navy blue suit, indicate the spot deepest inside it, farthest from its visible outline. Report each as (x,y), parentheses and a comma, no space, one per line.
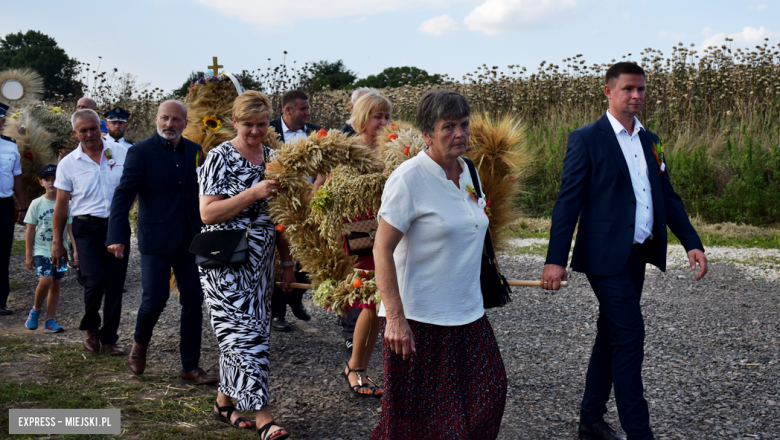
(161,171)
(616,184)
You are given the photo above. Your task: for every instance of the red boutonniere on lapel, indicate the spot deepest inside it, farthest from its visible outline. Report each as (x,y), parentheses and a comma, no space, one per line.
(658,150)
(110,157)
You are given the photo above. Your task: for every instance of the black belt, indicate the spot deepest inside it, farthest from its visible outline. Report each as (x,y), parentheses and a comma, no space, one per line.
(92,219)
(639,245)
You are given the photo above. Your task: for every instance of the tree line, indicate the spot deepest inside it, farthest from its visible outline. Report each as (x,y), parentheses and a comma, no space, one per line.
(65,76)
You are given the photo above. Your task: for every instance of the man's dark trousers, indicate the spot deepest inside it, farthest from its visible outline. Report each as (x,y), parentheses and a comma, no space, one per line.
(7,221)
(619,349)
(104,276)
(279,299)
(155,280)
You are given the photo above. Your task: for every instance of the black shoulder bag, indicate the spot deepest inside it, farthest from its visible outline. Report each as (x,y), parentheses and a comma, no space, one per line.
(229,247)
(495,289)
(222,248)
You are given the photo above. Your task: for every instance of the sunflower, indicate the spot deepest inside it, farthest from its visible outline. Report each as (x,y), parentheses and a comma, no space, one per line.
(212,123)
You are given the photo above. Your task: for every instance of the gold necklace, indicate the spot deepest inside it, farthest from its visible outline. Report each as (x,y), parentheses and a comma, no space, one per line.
(245,153)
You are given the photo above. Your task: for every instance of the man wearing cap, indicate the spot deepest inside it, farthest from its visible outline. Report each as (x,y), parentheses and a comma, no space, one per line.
(90,175)
(10,185)
(116,123)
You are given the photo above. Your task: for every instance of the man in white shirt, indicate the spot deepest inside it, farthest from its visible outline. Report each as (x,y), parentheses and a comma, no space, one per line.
(89,175)
(616,188)
(116,123)
(10,185)
(291,125)
(294,124)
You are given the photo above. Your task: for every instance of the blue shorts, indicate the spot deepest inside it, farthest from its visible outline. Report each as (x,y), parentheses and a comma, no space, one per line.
(44,268)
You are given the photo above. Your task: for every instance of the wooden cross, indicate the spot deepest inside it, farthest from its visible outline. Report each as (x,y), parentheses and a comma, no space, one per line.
(215,67)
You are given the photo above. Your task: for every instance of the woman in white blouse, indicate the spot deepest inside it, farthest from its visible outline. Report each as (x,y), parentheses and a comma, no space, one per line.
(443,373)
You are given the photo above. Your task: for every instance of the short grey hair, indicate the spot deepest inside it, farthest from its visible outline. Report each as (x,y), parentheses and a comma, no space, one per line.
(82,114)
(440,105)
(360,91)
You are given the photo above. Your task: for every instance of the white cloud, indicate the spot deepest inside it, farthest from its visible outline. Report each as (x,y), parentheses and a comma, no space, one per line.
(759,7)
(494,16)
(627,16)
(679,36)
(749,36)
(438,25)
(274,13)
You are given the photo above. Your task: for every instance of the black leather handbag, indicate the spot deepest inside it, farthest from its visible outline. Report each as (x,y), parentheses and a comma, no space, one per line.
(228,247)
(220,248)
(495,289)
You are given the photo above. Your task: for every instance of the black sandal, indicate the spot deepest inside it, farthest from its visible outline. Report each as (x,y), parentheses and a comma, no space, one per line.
(229,410)
(356,388)
(375,388)
(265,435)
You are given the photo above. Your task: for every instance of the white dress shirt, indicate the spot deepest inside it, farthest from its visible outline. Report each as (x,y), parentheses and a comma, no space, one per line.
(92,185)
(290,136)
(10,166)
(438,260)
(121,141)
(634,154)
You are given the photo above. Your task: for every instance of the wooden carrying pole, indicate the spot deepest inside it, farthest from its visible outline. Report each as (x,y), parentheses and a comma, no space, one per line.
(517,283)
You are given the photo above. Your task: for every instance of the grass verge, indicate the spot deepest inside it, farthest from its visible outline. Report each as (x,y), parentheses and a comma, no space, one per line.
(718,234)
(18,247)
(64,376)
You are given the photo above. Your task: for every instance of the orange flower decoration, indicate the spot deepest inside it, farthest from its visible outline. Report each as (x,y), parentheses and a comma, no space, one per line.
(406,150)
(363,274)
(392,124)
(280,227)
(392,136)
(357,283)
(322,133)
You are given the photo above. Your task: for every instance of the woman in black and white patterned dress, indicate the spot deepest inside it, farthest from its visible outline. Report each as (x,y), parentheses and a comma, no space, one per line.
(233,195)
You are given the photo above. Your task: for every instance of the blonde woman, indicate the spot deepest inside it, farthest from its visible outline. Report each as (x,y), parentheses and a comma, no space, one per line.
(370,113)
(234,195)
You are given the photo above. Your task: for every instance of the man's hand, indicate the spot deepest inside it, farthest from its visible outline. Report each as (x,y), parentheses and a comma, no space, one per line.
(117,249)
(552,276)
(288,277)
(398,335)
(58,252)
(697,256)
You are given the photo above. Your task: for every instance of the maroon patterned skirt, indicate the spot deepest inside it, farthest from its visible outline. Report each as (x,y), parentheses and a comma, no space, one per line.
(453,387)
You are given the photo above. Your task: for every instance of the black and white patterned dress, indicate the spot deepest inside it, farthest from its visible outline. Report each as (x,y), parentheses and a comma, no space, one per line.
(239,297)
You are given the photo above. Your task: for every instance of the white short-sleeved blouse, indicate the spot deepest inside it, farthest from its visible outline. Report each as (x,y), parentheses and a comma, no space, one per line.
(438,259)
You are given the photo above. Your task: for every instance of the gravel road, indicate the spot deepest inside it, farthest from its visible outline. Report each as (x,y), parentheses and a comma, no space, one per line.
(710,372)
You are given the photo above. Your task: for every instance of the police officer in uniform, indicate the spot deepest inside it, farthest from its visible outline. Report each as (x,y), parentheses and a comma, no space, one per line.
(116,123)
(10,185)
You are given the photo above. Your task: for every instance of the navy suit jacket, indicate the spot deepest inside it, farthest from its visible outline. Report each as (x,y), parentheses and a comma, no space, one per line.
(596,189)
(277,125)
(163,205)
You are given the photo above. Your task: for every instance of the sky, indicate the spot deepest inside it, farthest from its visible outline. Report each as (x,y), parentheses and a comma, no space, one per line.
(162,41)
